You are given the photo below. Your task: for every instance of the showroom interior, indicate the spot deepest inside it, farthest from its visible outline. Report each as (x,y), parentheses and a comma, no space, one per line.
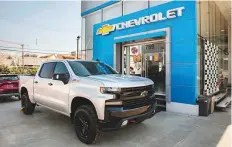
(165,41)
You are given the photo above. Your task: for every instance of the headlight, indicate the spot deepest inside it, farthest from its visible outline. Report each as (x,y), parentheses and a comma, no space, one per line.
(110,89)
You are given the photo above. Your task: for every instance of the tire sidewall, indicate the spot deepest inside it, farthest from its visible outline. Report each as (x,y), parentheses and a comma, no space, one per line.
(92,132)
(28,107)
(24,100)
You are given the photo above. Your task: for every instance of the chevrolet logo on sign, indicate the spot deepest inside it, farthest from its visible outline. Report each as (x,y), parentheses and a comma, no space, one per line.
(105,29)
(156,17)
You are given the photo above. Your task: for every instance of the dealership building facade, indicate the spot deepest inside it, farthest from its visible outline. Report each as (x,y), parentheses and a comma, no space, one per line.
(182,46)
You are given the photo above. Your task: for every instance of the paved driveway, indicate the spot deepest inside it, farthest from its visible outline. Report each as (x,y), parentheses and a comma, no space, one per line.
(49,129)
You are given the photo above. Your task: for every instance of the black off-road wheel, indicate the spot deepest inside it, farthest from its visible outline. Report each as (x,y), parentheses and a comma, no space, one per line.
(28,107)
(86,124)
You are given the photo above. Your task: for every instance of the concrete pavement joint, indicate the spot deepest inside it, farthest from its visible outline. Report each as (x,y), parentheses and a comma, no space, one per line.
(178,143)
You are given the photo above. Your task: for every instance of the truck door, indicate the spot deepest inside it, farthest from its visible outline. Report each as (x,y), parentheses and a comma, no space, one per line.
(58,90)
(41,87)
(52,93)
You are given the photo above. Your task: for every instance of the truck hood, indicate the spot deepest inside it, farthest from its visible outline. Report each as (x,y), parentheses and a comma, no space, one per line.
(118,80)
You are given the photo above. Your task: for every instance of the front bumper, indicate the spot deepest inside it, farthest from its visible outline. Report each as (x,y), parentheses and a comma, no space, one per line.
(116,116)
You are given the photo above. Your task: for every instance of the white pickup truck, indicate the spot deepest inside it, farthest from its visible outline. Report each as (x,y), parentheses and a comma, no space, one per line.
(91,93)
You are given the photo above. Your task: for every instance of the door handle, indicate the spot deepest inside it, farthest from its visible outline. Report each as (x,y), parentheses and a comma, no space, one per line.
(36,82)
(50,84)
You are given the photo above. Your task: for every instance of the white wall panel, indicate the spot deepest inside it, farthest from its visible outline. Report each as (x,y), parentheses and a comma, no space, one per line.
(90,20)
(134,6)
(82,34)
(112,11)
(89,54)
(86,5)
(158,2)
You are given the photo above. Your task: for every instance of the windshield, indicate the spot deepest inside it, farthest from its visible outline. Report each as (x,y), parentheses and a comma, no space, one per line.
(85,68)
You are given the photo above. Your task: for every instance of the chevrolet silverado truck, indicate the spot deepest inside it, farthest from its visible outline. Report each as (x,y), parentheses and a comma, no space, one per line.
(91,93)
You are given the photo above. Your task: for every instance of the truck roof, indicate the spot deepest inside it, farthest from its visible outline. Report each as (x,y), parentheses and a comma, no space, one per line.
(55,60)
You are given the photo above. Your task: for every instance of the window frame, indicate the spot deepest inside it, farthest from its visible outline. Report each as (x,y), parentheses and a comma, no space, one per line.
(69,74)
(42,68)
(64,65)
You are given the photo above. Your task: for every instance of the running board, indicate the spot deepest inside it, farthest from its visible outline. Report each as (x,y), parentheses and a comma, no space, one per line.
(224,103)
(219,97)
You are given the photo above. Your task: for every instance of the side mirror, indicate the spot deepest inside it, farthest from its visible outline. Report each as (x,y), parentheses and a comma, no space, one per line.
(61,77)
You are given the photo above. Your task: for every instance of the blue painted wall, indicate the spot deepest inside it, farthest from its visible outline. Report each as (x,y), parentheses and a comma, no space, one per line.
(183,46)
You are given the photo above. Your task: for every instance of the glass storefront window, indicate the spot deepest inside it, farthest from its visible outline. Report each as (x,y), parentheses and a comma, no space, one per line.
(221,40)
(217,25)
(212,31)
(204,12)
(198,18)
(222,29)
(135,60)
(213,27)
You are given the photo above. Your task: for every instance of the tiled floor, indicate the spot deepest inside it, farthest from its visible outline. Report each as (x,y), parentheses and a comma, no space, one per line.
(49,129)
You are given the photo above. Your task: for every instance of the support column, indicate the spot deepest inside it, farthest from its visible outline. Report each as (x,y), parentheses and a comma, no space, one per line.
(117,57)
(128,60)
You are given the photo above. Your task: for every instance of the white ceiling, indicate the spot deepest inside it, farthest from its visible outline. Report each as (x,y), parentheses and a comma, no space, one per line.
(225,8)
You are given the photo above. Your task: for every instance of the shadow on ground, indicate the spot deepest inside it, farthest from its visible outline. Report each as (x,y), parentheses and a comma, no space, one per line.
(8,99)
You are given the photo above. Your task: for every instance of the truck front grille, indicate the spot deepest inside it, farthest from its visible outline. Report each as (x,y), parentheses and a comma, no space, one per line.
(135,92)
(134,89)
(136,103)
(133,98)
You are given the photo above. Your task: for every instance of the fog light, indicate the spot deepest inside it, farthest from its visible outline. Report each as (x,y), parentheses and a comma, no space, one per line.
(124,123)
(113,103)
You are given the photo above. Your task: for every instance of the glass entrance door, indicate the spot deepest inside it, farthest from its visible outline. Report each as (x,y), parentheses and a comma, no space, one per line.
(146,60)
(154,65)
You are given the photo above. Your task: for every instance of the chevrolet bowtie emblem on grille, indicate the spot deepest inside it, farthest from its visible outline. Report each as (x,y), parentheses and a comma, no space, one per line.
(144,93)
(105,29)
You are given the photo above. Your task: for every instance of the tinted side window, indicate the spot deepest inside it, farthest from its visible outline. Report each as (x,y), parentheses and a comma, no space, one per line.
(47,70)
(60,68)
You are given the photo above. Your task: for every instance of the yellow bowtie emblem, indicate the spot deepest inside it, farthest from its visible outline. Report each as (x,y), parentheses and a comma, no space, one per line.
(105,29)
